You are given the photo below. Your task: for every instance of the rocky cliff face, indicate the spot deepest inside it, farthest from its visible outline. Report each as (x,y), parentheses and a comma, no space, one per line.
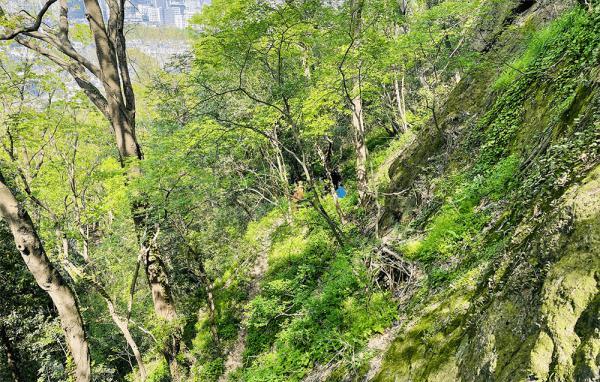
(501,209)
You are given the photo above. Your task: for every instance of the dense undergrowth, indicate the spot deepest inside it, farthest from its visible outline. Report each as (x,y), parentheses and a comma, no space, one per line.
(315,303)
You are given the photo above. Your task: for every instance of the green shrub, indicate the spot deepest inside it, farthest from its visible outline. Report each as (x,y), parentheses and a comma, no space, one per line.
(160,373)
(314,305)
(458,221)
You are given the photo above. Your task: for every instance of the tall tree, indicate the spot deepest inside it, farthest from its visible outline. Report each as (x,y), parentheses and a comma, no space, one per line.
(116,101)
(355,99)
(48,278)
(260,62)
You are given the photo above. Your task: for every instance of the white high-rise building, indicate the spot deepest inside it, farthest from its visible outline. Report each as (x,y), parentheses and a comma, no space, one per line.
(174,17)
(154,15)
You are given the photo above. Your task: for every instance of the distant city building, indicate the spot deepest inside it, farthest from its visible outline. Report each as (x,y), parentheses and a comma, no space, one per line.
(172,13)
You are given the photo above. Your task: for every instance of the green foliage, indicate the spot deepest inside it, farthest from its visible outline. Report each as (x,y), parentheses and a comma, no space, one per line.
(463,214)
(313,306)
(540,42)
(509,174)
(33,331)
(228,132)
(160,372)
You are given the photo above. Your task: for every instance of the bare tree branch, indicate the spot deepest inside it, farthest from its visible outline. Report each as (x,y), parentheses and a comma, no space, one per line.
(36,25)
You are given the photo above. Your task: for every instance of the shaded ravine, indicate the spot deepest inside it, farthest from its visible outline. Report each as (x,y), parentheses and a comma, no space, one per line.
(235,354)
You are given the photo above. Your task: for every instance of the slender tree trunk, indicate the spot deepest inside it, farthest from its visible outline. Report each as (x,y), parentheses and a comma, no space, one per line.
(123,123)
(399,87)
(332,190)
(11,355)
(120,322)
(404,7)
(210,299)
(360,146)
(400,102)
(356,104)
(306,61)
(315,200)
(123,325)
(164,307)
(283,174)
(212,311)
(117,103)
(47,277)
(283,177)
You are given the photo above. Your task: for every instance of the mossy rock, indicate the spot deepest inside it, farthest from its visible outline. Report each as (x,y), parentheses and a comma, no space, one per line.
(534,318)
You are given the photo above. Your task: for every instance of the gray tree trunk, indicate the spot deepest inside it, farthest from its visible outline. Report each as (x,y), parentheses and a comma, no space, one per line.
(47,277)
(358,122)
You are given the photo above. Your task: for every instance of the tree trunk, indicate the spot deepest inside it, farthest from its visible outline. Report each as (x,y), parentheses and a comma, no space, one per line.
(315,201)
(116,102)
(332,190)
(210,299)
(164,306)
(282,173)
(122,123)
(47,277)
(400,102)
(360,147)
(122,324)
(11,355)
(358,123)
(212,311)
(110,49)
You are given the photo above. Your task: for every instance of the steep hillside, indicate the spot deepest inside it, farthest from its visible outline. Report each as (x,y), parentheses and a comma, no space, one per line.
(315,190)
(487,266)
(500,208)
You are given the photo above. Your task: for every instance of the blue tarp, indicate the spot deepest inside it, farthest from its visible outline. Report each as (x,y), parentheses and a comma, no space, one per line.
(341,192)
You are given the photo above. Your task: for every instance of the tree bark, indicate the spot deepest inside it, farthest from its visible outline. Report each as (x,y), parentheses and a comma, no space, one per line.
(356,105)
(47,277)
(164,306)
(121,322)
(282,173)
(123,125)
(400,102)
(122,118)
(11,355)
(123,325)
(111,52)
(360,147)
(210,299)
